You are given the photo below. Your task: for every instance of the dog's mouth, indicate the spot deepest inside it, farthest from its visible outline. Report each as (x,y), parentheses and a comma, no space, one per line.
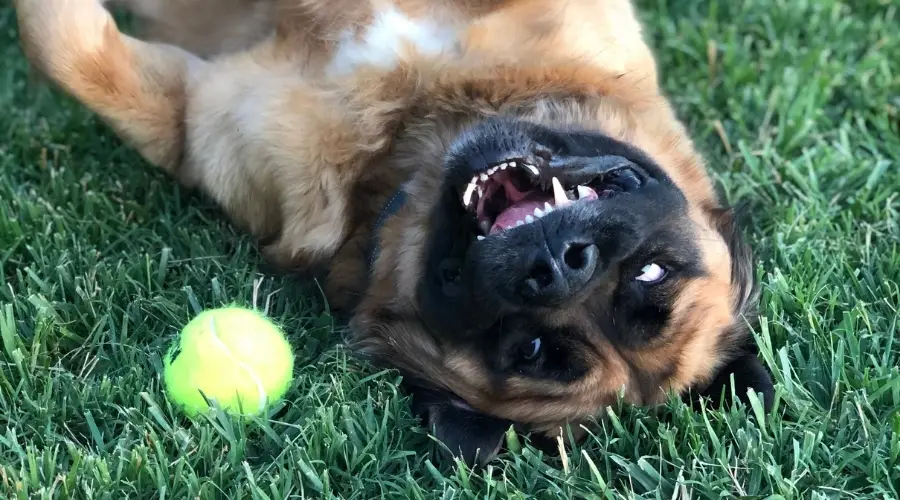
(516,192)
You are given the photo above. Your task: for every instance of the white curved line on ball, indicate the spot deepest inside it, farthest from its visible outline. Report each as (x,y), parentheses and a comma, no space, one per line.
(250,372)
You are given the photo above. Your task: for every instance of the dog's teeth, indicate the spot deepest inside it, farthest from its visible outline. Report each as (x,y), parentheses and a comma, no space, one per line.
(480,191)
(512,164)
(483,177)
(480,237)
(467,196)
(583,192)
(534,170)
(559,194)
(503,166)
(529,219)
(538,213)
(519,223)
(547,207)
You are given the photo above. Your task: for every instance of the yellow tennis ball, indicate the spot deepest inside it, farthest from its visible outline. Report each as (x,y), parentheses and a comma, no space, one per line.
(235,356)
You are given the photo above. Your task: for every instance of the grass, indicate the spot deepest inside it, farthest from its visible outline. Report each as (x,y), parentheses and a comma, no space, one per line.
(795,102)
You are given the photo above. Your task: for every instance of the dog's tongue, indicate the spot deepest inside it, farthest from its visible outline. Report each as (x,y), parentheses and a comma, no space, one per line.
(518,211)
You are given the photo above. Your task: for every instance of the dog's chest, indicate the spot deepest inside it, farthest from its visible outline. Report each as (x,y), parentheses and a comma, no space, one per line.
(390,37)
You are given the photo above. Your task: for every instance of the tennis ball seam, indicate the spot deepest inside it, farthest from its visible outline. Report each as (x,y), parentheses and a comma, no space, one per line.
(263,399)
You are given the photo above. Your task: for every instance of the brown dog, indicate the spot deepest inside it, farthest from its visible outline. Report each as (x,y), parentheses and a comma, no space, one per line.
(505,201)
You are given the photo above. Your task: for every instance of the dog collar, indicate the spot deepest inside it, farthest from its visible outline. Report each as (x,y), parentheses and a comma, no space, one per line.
(390,209)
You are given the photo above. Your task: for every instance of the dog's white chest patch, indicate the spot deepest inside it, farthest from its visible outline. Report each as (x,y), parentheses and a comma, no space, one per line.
(384,41)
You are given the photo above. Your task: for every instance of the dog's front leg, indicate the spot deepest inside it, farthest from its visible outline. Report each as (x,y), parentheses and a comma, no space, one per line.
(138,88)
(278,153)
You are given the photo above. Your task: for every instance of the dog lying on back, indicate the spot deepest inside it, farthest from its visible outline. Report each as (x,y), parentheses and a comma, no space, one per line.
(505,202)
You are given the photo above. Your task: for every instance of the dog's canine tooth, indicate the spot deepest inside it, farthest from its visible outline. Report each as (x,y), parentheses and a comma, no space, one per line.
(467,196)
(529,219)
(559,194)
(480,191)
(534,170)
(583,191)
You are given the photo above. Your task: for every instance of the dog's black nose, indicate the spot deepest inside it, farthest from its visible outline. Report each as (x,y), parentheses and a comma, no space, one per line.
(558,271)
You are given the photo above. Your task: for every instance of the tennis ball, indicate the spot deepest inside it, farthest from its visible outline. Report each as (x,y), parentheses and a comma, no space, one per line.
(235,356)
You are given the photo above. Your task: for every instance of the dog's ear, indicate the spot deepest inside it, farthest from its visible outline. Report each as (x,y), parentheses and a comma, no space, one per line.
(471,436)
(748,371)
(749,374)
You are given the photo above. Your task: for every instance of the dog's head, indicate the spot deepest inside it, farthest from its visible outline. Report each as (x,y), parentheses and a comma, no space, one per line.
(540,267)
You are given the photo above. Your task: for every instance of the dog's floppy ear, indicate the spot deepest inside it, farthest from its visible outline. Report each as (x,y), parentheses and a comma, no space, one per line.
(749,373)
(471,436)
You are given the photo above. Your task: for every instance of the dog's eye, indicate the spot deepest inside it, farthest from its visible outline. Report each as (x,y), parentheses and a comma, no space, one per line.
(651,273)
(532,349)
(450,275)
(450,270)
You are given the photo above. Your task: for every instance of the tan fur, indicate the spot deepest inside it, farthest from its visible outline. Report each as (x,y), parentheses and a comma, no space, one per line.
(304,156)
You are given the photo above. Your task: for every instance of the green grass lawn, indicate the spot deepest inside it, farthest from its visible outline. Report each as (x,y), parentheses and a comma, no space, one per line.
(795,102)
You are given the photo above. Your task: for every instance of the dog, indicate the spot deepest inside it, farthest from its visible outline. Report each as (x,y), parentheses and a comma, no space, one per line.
(503,200)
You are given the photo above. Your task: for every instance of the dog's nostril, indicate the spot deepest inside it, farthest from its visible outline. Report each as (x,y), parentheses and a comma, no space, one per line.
(541,274)
(553,278)
(574,256)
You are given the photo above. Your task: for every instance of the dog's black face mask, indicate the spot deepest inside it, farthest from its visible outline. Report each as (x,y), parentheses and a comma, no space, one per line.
(560,267)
